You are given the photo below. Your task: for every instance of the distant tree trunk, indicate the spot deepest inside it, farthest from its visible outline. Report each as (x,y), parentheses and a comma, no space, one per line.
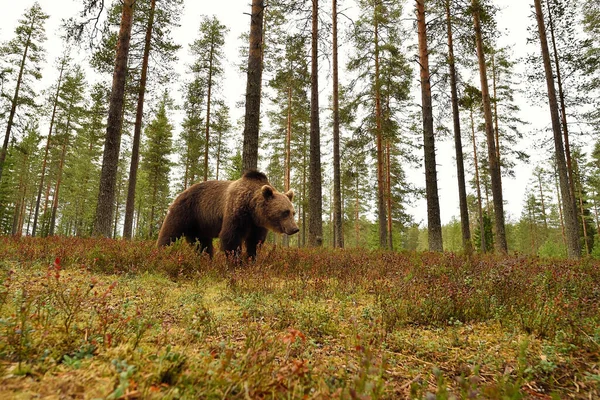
(17,228)
(315,221)
(338,229)
(45,210)
(110,160)
(137,130)
(288,153)
(460,165)
(219,145)
(58,182)
(572,230)
(496,124)
(357,214)
(304,178)
(45,161)
(560,205)
(253,88)
(207,129)
(542,202)
(388,185)
(478,185)
(494,165)
(288,143)
(434,224)
(563,114)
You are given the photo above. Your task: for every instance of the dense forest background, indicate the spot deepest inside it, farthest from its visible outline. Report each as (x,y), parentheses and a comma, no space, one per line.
(105,147)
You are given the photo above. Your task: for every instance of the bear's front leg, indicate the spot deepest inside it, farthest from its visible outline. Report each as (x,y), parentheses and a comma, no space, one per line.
(257,236)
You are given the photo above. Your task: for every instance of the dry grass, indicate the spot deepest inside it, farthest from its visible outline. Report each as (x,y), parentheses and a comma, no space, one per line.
(82,318)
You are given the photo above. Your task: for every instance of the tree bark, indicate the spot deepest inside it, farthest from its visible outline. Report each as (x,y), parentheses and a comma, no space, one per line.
(460,165)
(494,165)
(315,221)
(110,160)
(572,231)
(434,225)
(338,228)
(45,161)
(253,88)
(137,130)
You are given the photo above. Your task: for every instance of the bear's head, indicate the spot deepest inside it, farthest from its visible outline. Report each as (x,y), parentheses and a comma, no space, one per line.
(277,211)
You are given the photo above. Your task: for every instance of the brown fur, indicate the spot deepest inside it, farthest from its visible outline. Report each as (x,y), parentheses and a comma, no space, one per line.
(234,211)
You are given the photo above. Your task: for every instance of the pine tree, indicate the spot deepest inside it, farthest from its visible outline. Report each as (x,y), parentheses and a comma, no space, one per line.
(22,56)
(208,51)
(434,225)
(63,62)
(70,115)
(572,233)
(478,11)
(157,166)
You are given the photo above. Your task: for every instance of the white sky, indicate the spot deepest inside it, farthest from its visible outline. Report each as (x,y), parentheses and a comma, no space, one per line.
(513,19)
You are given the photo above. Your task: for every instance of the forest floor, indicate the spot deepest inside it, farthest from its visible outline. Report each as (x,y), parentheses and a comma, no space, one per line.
(85,318)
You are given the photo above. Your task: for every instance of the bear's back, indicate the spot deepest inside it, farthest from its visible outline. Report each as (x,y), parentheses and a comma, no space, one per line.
(203,203)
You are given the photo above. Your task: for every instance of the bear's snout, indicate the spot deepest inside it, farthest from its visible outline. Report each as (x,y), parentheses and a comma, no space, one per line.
(294,230)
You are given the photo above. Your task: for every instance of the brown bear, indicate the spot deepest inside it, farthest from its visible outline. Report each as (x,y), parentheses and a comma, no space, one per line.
(233,211)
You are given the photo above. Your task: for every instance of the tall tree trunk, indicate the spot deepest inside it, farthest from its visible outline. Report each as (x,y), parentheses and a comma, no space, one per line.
(45,161)
(110,160)
(315,221)
(253,88)
(572,230)
(338,227)
(15,99)
(563,114)
(494,165)
(434,224)
(460,165)
(381,210)
(137,130)
(478,186)
(207,129)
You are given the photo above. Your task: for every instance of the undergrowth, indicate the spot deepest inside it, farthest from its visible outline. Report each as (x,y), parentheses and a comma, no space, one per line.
(97,318)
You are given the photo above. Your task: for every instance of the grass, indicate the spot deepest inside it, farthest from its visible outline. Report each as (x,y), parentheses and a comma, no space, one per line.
(83,318)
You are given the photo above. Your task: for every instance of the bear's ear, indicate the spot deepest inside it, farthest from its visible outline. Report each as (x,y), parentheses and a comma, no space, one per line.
(290,194)
(267,191)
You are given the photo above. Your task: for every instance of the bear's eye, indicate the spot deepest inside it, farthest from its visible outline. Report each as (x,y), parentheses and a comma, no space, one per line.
(285,214)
